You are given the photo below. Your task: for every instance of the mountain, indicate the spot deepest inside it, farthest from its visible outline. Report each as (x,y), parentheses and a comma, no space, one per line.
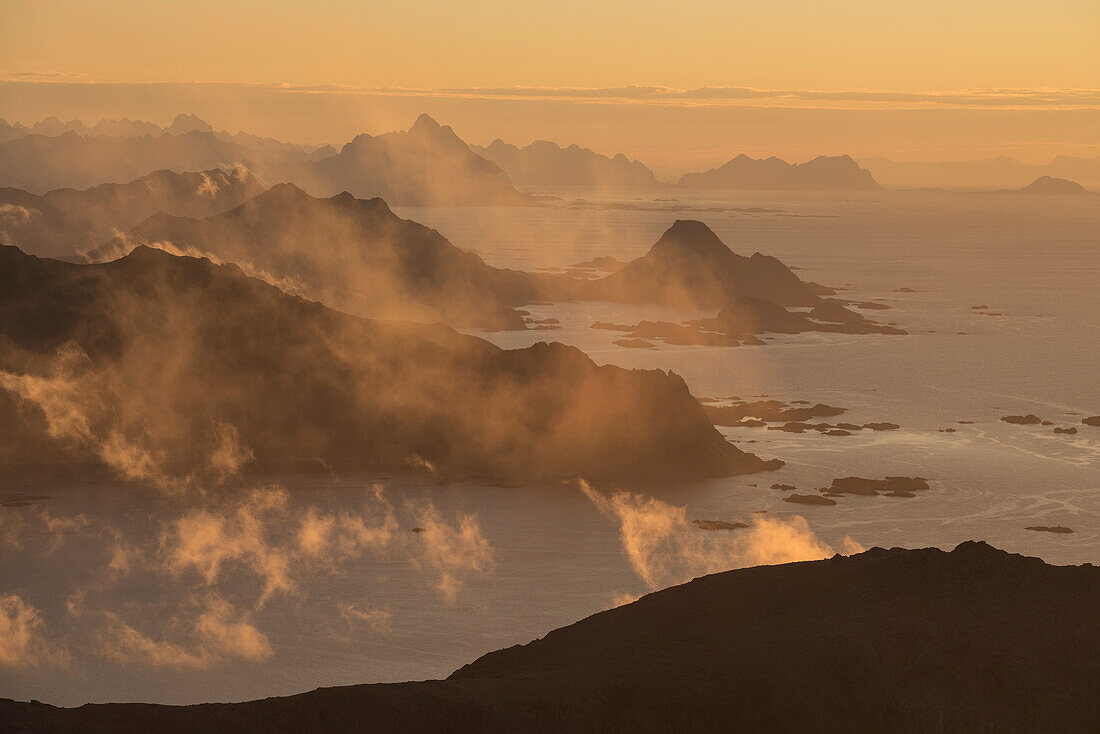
(9,131)
(1057,186)
(824,173)
(986,173)
(125,128)
(689,267)
(37,163)
(353,254)
(548,164)
(64,222)
(156,365)
(905,641)
(53,126)
(425,165)
(184,124)
(428,164)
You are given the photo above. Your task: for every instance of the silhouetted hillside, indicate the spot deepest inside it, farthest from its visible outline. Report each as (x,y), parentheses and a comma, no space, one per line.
(157,364)
(1057,186)
(548,164)
(975,640)
(690,267)
(353,254)
(426,165)
(64,222)
(824,173)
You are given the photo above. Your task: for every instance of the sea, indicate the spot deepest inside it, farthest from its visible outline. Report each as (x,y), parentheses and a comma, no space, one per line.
(127,591)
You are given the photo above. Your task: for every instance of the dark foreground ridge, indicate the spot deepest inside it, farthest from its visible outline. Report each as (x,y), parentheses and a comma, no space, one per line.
(975,640)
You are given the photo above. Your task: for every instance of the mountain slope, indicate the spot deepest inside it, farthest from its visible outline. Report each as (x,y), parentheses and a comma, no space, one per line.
(155,364)
(824,173)
(974,640)
(353,254)
(64,222)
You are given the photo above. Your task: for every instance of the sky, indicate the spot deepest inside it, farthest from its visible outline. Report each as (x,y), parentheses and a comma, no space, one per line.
(680,80)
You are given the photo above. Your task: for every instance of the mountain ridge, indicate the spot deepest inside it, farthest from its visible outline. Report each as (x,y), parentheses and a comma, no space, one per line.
(975,639)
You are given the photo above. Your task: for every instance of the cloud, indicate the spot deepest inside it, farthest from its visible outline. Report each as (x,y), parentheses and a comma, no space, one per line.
(261,535)
(73,397)
(967,98)
(451,552)
(355,615)
(218,562)
(203,541)
(229,454)
(664,549)
(12,524)
(16,214)
(22,635)
(218,633)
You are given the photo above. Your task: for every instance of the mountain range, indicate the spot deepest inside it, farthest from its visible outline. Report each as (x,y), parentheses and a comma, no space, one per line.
(65,222)
(156,365)
(548,164)
(824,173)
(426,164)
(353,254)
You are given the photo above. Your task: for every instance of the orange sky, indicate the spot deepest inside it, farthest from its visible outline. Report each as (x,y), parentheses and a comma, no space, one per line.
(1011,76)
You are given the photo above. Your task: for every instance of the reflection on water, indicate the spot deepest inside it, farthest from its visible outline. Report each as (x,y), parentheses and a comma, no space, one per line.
(243,591)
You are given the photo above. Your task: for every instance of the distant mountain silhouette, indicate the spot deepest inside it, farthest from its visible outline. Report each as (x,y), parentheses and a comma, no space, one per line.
(8,131)
(901,641)
(1050,185)
(824,173)
(353,254)
(37,163)
(164,354)
(425,165)
(184,124)
(53,126)
(125,128)
(986,173)
(64,222)
(548,164)
(690,267)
